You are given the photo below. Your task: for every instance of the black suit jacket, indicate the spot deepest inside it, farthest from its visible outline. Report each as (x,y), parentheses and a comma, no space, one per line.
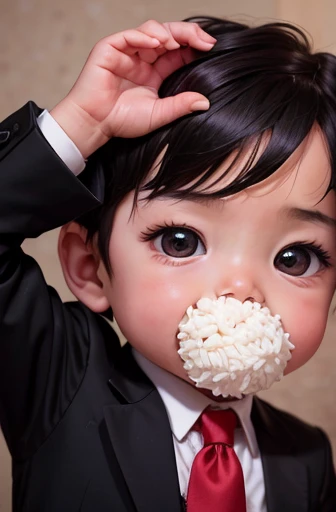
(86,428)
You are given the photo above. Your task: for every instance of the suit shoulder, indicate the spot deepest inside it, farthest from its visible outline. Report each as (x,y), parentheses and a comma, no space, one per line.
(282,436)
(288,425)
(96,329)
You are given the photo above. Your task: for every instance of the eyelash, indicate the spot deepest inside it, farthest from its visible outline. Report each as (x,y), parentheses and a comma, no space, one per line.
(153,232)
(157,230)
(323,255)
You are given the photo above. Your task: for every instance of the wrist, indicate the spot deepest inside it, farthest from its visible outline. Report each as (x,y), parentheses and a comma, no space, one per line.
(80,127)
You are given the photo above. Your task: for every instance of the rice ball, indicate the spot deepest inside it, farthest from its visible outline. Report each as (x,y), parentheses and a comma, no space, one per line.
(233,348)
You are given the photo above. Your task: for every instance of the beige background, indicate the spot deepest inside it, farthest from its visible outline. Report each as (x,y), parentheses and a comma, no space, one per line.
(43,45)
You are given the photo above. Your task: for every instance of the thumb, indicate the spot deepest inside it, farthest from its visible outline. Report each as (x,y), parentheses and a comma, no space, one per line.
(171,108)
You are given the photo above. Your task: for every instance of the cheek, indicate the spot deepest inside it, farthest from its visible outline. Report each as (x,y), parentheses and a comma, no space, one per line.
(148,315)
(306,324)
(148,302)
(150,293)
(148,299)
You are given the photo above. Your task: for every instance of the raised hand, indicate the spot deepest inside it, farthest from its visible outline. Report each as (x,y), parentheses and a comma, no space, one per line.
(116,93)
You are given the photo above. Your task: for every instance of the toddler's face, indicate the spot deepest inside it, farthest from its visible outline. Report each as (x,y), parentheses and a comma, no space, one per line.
(274,243)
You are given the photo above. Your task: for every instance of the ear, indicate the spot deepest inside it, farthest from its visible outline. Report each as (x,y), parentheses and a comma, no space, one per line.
(80,262)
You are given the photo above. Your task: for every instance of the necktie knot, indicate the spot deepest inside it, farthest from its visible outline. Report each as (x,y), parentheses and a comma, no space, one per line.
(217,426)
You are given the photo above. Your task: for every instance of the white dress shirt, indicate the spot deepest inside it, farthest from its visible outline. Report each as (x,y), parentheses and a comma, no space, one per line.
(183,403)
(61,143)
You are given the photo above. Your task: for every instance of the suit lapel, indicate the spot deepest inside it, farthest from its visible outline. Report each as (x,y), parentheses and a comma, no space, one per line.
(139,430)
(141,437)
(286,476)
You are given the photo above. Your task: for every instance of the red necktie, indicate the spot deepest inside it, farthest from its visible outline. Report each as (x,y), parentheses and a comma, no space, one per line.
(216,480)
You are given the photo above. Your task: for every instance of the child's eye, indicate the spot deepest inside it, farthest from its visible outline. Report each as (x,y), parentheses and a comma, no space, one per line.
(302,260)
(179,243)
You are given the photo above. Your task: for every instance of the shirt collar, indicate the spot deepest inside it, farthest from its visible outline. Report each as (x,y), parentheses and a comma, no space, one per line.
(184,404)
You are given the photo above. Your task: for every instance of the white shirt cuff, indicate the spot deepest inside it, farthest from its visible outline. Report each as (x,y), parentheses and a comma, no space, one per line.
(61,143)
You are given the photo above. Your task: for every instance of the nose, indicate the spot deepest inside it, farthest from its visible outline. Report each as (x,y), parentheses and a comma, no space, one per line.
(241,285)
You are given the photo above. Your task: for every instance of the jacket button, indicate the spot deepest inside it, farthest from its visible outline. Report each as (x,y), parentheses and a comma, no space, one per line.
(4,137)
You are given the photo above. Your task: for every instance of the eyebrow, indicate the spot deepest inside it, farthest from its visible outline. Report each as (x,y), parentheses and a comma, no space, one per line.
(203,200)
(310,216)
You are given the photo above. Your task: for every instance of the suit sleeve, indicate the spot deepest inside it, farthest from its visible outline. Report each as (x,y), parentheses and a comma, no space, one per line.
(327,498)
(43,348)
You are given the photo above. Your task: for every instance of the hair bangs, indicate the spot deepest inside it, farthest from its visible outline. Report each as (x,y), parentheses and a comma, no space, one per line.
(198,146)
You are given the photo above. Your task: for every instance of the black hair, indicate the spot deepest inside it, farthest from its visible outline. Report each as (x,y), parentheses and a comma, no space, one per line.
(259,80)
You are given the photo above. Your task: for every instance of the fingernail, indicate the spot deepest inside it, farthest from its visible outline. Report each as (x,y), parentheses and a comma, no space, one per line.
(210,45)
(208,38)
(200,105)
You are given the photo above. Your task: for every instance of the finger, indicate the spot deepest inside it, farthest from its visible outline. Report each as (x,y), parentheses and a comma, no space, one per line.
(150,56)
(161,32)
(170,62)
(191,34)
(169,109)
(129,42)
(128,67)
